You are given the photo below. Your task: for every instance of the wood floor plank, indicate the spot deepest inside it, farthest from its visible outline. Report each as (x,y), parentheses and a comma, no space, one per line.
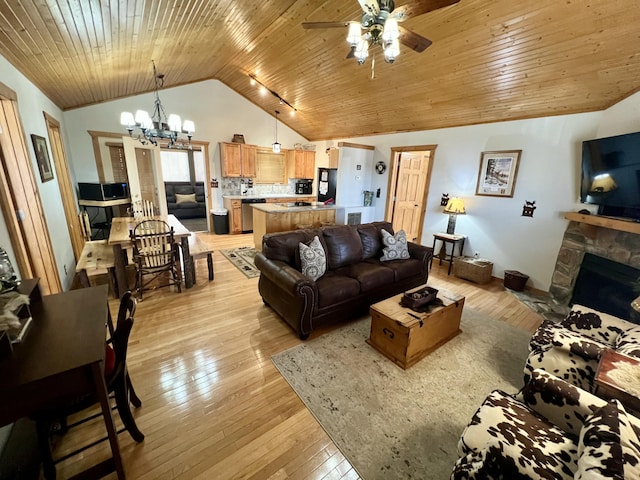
(214,405)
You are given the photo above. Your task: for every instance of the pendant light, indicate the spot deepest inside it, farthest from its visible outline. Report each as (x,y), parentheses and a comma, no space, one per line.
(276,146)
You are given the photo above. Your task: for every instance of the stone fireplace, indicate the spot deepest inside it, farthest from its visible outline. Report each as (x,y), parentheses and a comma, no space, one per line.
(605,241)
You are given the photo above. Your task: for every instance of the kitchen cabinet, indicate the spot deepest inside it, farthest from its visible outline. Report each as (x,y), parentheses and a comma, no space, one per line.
(238,159)
(301,163)
(235,214)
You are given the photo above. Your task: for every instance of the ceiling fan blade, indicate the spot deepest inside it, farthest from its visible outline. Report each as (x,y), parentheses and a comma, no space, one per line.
(352,53)
(419,7)
(370,6)
(309,25)
(413,40)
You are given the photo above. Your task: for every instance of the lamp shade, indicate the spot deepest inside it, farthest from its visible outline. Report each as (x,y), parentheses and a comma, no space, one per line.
(455,206)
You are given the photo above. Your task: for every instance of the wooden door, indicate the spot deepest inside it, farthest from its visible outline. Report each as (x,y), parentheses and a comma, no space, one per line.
(409,180)
(249,161)
(144,169)
(231,159)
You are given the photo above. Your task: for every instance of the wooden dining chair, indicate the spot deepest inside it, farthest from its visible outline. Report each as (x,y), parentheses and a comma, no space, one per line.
(155,253)
(144,209)
(118,383)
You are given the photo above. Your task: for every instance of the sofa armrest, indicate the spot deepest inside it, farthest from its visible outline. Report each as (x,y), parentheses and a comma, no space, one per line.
(282,274)
(564,405)
(599,326)
(420,252)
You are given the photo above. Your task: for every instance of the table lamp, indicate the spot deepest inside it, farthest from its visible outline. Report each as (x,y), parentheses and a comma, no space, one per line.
(454,207)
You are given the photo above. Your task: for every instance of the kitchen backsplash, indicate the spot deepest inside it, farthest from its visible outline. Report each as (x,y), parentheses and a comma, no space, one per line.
(232,186)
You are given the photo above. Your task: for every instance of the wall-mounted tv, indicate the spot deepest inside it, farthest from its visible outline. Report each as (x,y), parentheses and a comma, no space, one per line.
(611,175)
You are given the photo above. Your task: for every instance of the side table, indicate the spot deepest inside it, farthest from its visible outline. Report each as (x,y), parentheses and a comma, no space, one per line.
(453,240)
(607,380)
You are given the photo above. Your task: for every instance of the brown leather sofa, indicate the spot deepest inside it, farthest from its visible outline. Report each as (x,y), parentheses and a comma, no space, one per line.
(355,276)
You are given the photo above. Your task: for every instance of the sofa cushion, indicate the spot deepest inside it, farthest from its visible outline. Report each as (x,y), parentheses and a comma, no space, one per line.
(607,447)
(402,269)
(334,288)
(343,245)
(600,326)
(313,259)
(371,239)
(185,198)
(369,275)
(541,449)
(284,246)
(628,342)
(395,246)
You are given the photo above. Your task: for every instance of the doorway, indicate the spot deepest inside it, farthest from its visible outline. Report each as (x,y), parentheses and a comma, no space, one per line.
(409,179)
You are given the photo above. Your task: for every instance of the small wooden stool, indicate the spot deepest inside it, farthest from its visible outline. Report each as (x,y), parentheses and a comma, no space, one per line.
(199,249)
(97,255)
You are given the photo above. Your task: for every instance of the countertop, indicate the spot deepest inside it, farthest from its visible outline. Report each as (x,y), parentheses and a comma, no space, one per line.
(283,208)
(269,195)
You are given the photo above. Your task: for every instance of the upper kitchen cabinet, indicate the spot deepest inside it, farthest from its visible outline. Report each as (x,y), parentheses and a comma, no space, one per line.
(238,159)
(301,163)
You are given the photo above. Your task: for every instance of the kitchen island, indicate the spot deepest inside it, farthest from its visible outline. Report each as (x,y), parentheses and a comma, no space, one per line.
(282,217)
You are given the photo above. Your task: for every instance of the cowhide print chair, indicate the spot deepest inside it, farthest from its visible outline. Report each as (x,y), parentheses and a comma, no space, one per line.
(571,349)
(549,430)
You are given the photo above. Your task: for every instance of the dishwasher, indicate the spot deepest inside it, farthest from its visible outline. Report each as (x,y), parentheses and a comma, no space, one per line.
(247,213)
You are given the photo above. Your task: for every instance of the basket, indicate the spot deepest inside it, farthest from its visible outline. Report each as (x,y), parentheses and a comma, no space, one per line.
(515,280)
(475,269)
(419,298)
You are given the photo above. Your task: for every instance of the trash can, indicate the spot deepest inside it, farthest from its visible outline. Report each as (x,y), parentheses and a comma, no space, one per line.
(515,280)
(220,221)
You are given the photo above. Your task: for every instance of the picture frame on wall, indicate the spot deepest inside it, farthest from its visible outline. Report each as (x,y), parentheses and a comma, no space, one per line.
(42,157)
(498,172)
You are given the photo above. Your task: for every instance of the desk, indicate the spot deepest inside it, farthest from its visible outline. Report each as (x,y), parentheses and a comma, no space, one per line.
(62,356)
(119,239)
(108,208)
(453,240)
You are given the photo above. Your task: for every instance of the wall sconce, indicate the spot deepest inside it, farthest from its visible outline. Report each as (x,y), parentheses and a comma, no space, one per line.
(454,207)
(528,208)
(444,199)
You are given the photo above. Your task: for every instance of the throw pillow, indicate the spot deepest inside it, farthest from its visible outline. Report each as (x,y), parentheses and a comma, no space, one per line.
(189,198)
(313,260)
(395,246)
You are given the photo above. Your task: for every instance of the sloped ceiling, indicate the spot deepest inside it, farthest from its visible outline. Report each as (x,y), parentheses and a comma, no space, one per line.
(490,60)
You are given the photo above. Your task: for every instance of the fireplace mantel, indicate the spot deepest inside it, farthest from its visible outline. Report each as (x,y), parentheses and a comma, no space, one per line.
(604,222)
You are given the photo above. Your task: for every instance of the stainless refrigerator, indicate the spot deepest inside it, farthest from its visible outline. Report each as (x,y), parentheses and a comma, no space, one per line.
(327,182)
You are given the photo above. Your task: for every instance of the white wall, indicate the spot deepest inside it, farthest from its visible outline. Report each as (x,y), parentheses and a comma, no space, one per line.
(217,111)
(31,105)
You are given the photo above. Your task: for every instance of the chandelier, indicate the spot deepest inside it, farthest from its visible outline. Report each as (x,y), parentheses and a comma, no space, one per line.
(157,126)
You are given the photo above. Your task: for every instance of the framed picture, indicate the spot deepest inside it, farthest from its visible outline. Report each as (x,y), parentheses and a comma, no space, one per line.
(498,171)
(42,157)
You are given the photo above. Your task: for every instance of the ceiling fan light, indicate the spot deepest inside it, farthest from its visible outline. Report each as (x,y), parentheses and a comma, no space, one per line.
(362,51)
(354,35)
(391,51)
(391,31)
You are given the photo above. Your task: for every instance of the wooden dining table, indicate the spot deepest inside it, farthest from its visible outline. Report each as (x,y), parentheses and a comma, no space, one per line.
(120,240)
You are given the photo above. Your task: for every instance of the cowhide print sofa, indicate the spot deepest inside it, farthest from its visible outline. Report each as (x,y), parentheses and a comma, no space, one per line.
(571,349)
(549,430)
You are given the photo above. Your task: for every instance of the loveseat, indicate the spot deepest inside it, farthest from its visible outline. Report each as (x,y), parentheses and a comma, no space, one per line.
(571,349)
(186,200)
(551,429)
(355,276)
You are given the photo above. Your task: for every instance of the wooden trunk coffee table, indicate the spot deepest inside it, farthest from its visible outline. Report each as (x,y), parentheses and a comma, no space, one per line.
(405,336)
(608,387)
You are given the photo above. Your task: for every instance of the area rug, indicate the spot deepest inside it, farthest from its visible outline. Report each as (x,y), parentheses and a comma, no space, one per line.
(242,259)
(394,423)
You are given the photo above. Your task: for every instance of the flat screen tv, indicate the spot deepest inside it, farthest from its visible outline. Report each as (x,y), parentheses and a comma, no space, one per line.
(611,175)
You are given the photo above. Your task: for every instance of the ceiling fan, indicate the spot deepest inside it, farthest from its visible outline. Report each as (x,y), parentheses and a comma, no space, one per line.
(379,25)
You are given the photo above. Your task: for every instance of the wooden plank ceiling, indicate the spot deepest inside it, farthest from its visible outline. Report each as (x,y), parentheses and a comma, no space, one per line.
(490,60)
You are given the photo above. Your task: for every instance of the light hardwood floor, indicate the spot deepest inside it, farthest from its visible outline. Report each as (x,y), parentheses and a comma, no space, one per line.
(213,404)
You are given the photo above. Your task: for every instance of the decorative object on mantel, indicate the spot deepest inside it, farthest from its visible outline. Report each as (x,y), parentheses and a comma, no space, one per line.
(497,174)
(157,127)
(379,26)
(528,208)
(276,147)
(454,207)
(444,199)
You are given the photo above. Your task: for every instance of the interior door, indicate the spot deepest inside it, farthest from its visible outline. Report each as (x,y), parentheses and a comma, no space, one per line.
(144,168)
(409,180)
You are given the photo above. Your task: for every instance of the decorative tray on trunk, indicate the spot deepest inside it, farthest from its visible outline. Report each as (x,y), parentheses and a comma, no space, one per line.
(419,298)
